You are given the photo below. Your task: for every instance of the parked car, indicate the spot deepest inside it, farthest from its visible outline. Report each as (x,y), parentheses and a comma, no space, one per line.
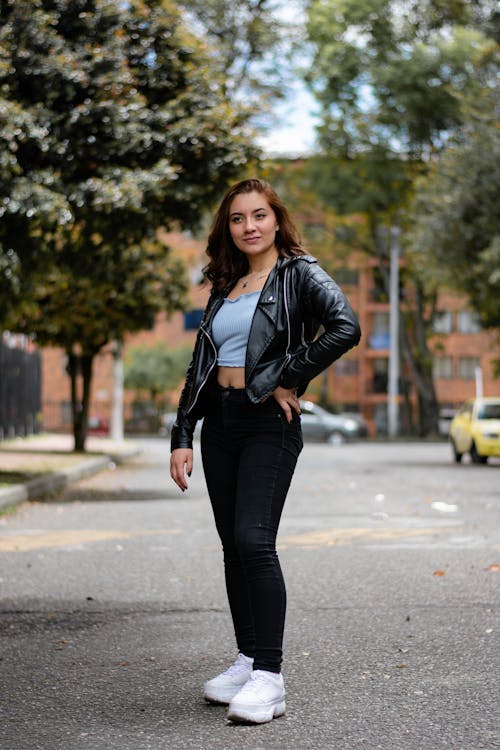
(476,430)
(167,421)
(97,426)
(446,415)
(317,424)
(320,424)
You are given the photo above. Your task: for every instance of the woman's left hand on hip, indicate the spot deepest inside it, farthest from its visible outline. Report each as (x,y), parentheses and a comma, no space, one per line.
(288,400)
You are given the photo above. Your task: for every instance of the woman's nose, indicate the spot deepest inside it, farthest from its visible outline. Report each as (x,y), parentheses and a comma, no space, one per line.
(249,224)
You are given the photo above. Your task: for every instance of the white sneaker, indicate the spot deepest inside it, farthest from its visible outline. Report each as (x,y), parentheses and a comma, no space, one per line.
(261,699)
(222,688)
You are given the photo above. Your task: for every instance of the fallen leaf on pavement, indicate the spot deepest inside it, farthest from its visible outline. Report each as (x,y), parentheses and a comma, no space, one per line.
(439,573)
(493,568)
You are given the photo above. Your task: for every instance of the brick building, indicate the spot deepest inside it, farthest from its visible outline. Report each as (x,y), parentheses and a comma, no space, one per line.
(358,382)
(177,330)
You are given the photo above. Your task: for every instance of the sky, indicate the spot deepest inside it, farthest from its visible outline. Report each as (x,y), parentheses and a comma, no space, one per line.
(294,132)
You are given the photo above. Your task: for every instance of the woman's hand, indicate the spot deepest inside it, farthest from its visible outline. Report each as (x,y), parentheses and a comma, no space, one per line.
(181,465)
(287,399)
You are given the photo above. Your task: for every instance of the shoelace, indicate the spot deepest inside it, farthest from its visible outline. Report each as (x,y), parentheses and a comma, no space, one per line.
(236,668)
(257,683)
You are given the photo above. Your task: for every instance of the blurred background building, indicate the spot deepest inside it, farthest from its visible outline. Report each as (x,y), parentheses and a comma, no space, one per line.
(356,383)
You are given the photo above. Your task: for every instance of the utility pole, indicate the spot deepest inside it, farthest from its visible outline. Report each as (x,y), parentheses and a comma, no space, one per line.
(117,405)
(392,389)
(478,375)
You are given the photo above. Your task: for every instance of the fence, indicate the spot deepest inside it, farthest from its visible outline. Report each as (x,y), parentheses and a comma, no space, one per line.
(20,392)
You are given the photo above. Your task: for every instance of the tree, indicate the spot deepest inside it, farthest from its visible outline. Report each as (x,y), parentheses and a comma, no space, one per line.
(392,79)
(112,125)
(156,368)
(456,232)
(250,41)
(83,303)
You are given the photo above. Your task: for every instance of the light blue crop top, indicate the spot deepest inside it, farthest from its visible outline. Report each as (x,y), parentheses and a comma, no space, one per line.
(231,329)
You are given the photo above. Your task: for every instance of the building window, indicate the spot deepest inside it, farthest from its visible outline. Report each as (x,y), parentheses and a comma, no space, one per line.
(443,322)
(346,367)
(346,276)
(380,338)
(442,367)
(467,367)
(380,372)
(192,320)
(468,322)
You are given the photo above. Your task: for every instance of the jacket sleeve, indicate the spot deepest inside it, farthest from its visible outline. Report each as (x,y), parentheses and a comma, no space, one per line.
(323,301)
(183,428)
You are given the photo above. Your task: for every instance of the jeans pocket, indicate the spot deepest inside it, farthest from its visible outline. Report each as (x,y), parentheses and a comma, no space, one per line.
(292,433)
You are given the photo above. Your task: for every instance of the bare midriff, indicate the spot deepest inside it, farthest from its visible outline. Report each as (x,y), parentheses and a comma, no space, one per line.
(231,377)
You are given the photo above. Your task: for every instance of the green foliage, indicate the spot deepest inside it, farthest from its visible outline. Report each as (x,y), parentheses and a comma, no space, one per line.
(156,368)
(326,234)
(391,79)
(250,44)
(456,233)
(90,298)
(112,124)
(397,81)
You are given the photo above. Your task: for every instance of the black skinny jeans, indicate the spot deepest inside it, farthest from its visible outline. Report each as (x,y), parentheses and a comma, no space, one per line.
(249,455)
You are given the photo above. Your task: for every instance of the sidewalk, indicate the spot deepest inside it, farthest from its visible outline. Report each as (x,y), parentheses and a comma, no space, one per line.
(43,464)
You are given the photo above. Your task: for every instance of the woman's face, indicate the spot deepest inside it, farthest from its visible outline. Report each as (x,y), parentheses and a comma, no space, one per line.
(253,225)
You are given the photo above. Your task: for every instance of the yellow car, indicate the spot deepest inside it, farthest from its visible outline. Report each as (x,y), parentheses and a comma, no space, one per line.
(475,429)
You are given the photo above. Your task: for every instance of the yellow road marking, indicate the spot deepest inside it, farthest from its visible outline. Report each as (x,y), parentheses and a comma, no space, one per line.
(70,537)
(335,537)
(310,539)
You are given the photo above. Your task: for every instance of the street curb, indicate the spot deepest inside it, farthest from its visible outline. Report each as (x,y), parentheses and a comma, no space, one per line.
(50,483)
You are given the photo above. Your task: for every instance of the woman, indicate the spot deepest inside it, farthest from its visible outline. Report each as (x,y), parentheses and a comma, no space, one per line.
(254,356)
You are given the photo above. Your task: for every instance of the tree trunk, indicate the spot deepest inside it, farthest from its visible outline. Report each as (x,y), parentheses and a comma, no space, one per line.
(414,330)
(80,364)
(421,373)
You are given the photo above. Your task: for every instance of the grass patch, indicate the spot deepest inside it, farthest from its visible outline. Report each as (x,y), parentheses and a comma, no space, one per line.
(15,477)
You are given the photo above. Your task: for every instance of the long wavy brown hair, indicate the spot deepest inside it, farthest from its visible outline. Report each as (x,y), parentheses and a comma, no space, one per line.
(227,264)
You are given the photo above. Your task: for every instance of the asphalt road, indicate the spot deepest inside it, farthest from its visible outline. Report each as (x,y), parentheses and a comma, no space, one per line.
(113,609)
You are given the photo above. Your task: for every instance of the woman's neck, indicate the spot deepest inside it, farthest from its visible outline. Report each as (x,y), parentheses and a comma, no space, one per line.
(260,264)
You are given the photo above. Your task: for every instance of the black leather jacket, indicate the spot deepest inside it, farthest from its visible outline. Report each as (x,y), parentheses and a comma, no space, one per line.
(297,298)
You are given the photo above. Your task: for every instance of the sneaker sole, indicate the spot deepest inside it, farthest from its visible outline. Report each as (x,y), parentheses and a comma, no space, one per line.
(216,701)
(251,715)
(221,697)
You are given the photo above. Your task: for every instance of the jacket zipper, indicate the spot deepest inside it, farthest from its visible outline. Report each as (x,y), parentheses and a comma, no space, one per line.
(288,356)
(191,407)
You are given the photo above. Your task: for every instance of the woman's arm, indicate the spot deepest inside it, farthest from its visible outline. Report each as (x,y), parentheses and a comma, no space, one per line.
(323,301)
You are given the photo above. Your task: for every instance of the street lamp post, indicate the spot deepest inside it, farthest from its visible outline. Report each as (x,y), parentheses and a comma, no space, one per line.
(117,404)
(392,390)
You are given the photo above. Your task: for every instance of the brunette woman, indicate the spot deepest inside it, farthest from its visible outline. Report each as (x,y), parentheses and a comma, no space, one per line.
(256,351)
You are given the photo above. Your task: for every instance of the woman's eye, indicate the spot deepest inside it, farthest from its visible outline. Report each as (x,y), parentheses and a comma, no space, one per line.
(260,216)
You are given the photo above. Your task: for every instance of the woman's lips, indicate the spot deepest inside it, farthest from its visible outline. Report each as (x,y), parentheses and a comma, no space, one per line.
(252,239)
